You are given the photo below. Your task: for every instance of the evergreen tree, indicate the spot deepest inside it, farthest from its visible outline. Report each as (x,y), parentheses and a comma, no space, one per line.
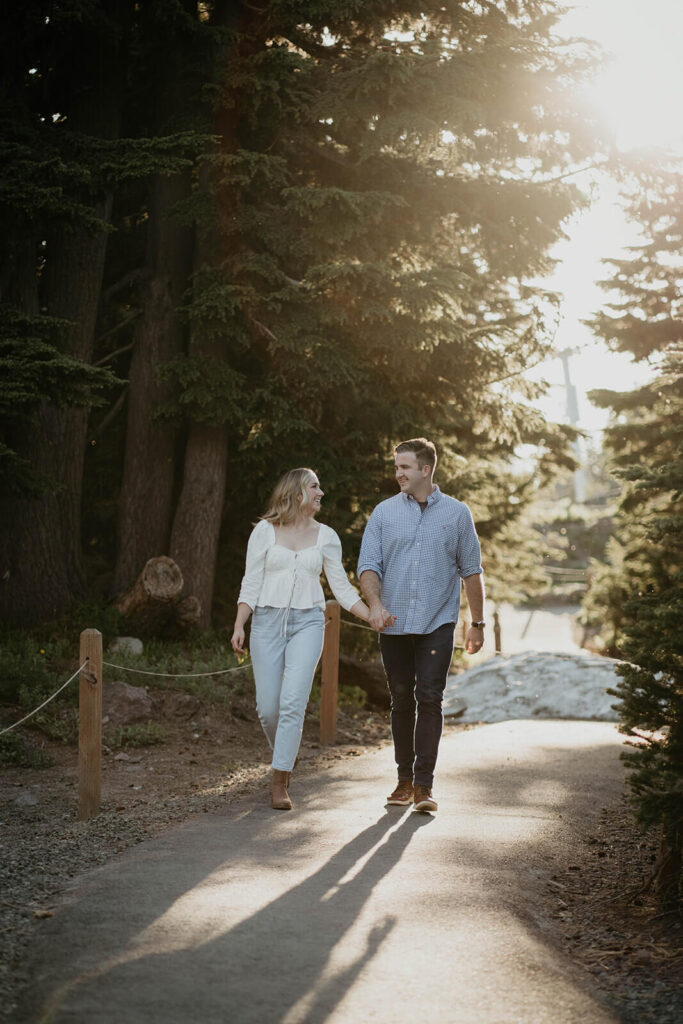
(647,445)
(63,87)
(59,105)
(386,178)
(343,266)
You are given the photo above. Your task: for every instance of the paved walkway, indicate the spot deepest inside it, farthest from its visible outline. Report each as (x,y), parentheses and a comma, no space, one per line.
(344,911)
(551,628)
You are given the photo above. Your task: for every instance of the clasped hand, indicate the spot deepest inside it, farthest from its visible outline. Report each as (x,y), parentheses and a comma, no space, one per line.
(380,618)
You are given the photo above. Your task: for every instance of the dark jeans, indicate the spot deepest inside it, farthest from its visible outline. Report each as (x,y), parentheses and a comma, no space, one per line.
(416,666)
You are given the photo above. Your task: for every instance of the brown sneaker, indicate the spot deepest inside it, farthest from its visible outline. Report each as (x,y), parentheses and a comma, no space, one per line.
(423,799)
(402,795)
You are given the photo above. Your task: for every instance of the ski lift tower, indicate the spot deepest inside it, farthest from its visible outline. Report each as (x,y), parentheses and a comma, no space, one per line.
(572,412)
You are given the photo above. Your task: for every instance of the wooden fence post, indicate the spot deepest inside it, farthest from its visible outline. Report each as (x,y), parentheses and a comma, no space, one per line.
(496,632)
(330,674)
(90,724)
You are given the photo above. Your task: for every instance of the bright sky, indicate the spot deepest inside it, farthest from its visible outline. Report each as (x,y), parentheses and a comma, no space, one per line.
(641,93)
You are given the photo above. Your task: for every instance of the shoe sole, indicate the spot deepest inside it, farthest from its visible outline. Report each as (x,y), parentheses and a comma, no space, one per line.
(399,803)
(427,805)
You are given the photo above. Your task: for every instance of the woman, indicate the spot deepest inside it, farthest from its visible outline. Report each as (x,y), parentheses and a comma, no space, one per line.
(286,553)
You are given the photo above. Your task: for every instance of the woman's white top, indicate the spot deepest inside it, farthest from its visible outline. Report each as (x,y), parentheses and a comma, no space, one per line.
(277,577)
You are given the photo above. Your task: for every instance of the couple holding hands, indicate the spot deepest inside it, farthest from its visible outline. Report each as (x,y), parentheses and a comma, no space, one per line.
(416,548)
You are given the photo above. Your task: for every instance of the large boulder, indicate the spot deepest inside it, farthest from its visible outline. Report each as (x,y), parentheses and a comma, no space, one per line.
(123,704)
(534,684)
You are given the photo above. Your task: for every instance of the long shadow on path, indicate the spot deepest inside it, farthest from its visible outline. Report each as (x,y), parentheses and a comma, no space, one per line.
(258,969)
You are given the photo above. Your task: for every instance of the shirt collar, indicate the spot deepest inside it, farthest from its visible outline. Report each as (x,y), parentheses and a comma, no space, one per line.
(434,496)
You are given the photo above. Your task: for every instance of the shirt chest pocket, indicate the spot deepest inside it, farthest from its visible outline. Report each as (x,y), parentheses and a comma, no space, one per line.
(442,542)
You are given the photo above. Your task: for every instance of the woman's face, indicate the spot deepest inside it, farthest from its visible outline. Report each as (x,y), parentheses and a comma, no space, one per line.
(314,494)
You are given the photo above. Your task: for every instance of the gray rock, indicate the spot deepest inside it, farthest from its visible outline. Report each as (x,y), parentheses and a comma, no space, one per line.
(125,645)
(26,799)
(181,705)
(534,684)
(123,704)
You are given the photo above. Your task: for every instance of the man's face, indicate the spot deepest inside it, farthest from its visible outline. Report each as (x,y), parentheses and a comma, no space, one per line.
(409,475)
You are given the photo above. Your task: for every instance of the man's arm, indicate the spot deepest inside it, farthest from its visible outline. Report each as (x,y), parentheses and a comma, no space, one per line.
(370,566)
(474,588)
(371,589)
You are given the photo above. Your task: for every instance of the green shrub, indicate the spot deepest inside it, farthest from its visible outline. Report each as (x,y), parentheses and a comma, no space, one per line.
(19,751)
(141,734)
(348,696)
(58,723)
(25,674)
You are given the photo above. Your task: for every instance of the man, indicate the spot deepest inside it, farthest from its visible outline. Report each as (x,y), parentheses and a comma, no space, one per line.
(416,548)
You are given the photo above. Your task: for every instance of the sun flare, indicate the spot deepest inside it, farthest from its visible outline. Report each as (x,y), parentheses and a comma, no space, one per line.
(639,90)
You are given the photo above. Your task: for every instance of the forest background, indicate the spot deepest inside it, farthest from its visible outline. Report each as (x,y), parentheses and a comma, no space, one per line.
(242,236)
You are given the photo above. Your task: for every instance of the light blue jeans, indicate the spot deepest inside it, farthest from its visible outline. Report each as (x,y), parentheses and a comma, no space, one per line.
(285,647)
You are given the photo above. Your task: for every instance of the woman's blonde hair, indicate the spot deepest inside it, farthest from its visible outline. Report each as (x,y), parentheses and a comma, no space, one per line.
(284,504)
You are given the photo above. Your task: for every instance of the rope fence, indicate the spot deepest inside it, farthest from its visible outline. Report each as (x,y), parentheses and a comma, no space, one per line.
(174,675)
(357,625)
(45,702)
(91,669)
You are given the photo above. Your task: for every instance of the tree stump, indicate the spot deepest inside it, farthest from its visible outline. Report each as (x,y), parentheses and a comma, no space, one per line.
(189,612)
(151,604)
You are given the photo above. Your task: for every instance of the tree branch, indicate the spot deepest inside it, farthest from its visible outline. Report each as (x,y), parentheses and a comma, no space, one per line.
(113,331)
(113,355)
(112,414)
(263,330)
(302,42)
(138,274)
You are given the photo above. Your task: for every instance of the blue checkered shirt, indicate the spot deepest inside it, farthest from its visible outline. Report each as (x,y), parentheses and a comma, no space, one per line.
(420,558)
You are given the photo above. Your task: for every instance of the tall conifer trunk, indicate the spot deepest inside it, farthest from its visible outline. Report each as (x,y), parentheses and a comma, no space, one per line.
(43,564)
(145,506)
(197,520)
(145,509)
(43,534)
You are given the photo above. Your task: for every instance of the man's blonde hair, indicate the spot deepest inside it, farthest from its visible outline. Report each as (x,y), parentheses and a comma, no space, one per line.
(284,501)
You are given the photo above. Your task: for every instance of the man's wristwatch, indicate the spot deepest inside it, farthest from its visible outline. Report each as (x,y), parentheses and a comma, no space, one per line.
(479,625)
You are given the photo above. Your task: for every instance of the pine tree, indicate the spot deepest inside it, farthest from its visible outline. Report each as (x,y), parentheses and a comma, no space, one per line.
(647,445)
(311,241)
(63,88)
(386,178)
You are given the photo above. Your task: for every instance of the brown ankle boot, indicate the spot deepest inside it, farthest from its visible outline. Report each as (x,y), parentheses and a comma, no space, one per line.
(279,797)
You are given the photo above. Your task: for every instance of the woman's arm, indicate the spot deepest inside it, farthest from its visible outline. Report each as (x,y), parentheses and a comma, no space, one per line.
(261,538)
(260,541)
(361,611)
(241,619)
(344,592)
